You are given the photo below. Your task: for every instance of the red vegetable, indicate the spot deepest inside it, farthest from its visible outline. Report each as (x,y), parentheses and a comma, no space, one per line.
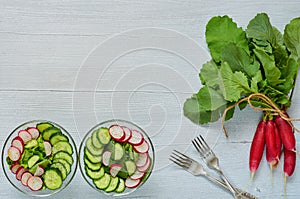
(270,138)
(257,147)
(286,133)
(289,164)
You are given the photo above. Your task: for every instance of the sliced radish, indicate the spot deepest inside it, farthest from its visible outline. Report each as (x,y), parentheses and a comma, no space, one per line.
(146,167)
(137,175)
(14,167)
(142,159)
(48,148)
(131,183)
(39,171)
(137,138)
(34,132)
(14,153)
(25,135)
(106,157)
(114,169)
(35,183)
(25,176)
(127,132)
(18,142)
(142,148)
(116,132)
(20,172)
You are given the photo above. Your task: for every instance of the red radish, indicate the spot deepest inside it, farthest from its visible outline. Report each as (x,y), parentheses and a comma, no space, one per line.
(137,175)
(289,164)
(14,167)
(48,148)
(14,153)
(278,144)
(142,159)
(130,183)
(18,142)
(116,132)
(257,147)
(270,138)
(146,167)
(114,169)
(34,132)
(127,132)
(106,157)
(39,171)
(286,133)
(35,183)
(142,148)
(25,135)
(20,172)
(136,138)
(25,176)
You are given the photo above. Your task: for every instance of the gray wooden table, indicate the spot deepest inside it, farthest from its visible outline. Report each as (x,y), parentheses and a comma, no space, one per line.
(81,62)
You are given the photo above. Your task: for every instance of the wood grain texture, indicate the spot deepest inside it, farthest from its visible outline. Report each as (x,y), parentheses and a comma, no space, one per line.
(51,54)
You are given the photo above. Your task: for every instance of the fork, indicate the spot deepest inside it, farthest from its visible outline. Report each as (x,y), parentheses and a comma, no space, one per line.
(197,169)
(212,161)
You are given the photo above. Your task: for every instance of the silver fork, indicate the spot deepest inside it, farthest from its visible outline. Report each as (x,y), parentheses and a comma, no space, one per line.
(197,169)
(212,161)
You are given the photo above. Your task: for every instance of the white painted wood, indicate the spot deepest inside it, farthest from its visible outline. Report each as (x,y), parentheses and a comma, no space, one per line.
(81,62)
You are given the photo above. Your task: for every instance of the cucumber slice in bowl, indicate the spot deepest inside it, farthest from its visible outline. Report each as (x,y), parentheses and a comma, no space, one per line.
(29,156)
(123,151)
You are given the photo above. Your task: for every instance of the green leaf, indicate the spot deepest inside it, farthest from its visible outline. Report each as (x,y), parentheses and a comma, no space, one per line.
(292,38)
(260,28)
(254,82)
(278,36)
(209,99)
(193,111)
(233,84)
(239,60)
(271,72)
(291,71)
(209,74)
(221,31)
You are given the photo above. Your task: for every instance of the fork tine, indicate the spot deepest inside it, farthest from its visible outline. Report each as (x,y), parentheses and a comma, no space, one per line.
(186,157)
(179,162)
(198,146)
(203,142)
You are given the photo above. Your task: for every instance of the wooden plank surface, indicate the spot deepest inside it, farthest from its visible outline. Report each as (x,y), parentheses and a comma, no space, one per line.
(81,62)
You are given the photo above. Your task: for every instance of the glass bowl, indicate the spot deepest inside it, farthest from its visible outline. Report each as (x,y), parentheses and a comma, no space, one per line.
(34,147)
(131,151)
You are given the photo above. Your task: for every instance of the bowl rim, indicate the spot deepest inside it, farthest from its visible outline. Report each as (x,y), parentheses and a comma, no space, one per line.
(5,165)
(82,145)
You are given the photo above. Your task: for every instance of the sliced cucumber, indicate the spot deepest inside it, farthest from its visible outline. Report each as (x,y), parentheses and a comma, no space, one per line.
(95,141)
(44,163)
(61,168)
(118,151)
(58,137)
(121,186)
(112,185)
(92,149)
(65,163)
(62,146)
(64,155)
(90,165)
(31,144)
(49,132)
(103,182)
(130,167)
(94,174)
(33,160)
(103,135)
(93,158)
(43,126)
(52,179)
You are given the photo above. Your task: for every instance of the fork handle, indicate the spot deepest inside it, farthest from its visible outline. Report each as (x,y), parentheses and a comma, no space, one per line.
(231,188)
(241,193)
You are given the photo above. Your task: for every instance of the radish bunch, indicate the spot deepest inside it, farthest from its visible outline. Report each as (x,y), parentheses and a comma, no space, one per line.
(276,135)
